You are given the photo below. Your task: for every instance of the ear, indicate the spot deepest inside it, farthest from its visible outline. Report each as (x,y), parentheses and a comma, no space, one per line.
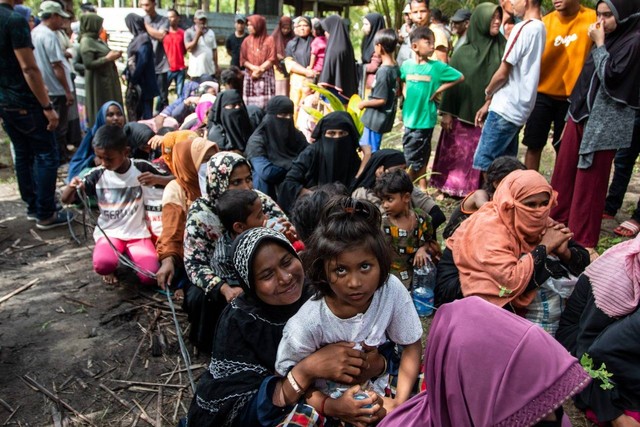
(406,197)
(127,151)
(238,227)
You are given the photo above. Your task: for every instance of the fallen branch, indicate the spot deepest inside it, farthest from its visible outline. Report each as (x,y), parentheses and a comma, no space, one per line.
(56,399)
(135,354)
(121,401)
(159,408)
(192,367)
(77,301)
(6,405)
(11,416)
(20,289)
(142,383)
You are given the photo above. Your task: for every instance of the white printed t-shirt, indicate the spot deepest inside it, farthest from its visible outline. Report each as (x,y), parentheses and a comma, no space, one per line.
(120,200)
(515,100)
(391,314)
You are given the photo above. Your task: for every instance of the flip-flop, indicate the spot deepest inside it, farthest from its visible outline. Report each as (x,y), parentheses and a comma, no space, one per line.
(607,215)
(627,229)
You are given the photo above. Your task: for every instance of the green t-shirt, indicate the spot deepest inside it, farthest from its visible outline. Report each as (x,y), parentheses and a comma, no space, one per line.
(422,81)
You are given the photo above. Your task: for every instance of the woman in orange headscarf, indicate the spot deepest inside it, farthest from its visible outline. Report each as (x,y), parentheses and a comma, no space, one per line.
(186,154)
(500,252)
(257,56)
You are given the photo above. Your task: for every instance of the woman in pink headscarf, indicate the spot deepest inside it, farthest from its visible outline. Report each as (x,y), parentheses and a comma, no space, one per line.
(487,367)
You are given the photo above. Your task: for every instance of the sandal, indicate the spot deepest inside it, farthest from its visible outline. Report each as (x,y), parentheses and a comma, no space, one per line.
(607,215)
(627,229)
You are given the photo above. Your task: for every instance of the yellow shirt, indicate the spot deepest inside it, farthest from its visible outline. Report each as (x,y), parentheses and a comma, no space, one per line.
(440,40)
(565,51)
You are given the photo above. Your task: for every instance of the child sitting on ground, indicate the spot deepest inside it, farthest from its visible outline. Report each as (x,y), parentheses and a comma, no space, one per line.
(347,260)
(380,108)
(238,210)
(408,229)
(119,185)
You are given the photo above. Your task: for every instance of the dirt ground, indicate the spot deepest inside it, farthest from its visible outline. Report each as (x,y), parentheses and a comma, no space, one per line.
(74,351)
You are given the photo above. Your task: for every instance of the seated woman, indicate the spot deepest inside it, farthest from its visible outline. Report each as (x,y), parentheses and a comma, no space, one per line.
(188,154)
(602,320)
(387,160)
(274,145)
(228,122)
(471,383)
(110,113)
(205,300)
(333,157)
(501,252)
(240,388)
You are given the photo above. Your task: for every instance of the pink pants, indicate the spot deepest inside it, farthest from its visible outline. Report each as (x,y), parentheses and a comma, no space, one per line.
(141,252)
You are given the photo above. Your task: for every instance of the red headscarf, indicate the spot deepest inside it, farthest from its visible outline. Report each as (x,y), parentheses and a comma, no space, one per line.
(280,39)
(492,248)
(259,46)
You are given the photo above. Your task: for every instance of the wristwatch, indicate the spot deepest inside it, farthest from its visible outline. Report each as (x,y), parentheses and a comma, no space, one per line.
(48,107)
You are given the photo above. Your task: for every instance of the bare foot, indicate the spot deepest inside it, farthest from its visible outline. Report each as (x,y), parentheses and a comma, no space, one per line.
(178,295)
(624,421)
(110,279)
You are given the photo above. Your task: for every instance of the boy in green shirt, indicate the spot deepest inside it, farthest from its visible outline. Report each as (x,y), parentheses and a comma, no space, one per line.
(424,80)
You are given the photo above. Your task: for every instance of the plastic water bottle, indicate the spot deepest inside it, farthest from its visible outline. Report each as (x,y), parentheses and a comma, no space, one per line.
(361,395)
(424,281)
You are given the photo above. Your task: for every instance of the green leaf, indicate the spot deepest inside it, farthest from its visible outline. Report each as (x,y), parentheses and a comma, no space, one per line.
(334,102)
(601,374)
(313,112)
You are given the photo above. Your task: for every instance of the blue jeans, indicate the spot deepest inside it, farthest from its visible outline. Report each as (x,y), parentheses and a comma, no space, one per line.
(178,76)
(499,138)
(266,175)
(35,158)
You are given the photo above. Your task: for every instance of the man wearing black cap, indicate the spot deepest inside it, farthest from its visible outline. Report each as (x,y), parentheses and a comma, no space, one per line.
(459,26)
(234,41)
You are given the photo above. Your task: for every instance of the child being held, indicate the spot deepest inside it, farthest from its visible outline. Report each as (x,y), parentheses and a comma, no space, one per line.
(119,185)
(425,80)
(318,47)
(407,229)
(356,300)
(380,108)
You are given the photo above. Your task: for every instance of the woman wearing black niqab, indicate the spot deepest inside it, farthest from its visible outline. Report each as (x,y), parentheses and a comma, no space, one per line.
(339,69)
(229,124)
(331,158)
(274,145)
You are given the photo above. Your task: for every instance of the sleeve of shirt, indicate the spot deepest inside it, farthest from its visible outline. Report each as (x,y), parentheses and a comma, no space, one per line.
(213,38)
(54,50)
(449,74)
(405,327)
(19,31)
(383,88)
(91,179)
(188,36)
(164,24)
(296,343)
(440,39)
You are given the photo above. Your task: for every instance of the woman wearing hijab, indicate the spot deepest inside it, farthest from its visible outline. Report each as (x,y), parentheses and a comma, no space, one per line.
(25,11)
(602,320)
(297,59)
(601,116)
(257,56)
(371,24)
(102,82)
(110,113)
(140,72)
(228,122)
(339,69)
(282,35)
(333,157)
(240,388)
(188,155)
(274,145)
(478,59)
(520,380)
(210,294)
(387,160)
(500,252)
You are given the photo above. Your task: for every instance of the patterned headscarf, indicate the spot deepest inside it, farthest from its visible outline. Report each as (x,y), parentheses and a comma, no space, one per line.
(220,167)
(245,248)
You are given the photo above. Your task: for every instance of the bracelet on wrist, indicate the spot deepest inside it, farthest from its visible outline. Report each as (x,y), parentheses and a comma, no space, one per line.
(384,370)
(294,384)
(324,400)
(48,107)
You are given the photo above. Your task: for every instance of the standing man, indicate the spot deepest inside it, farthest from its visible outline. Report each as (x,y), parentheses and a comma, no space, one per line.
(54,66)
(174,47)
(201,45)
(29,119)
(511,93)
(566,49)
(459,26)
(420,14)
(158,27)
(234,41)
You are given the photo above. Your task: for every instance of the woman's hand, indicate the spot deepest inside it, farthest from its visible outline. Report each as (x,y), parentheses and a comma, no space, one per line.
(338,362)
(374,364)
(421,257)
(164,276)
(156,140)
(596,33)
(310,73)
(113,55)
(353,411)
(554,237)
(230,292)
(446,122)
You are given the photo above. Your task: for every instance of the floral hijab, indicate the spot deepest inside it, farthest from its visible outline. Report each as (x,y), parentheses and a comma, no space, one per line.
(220,167)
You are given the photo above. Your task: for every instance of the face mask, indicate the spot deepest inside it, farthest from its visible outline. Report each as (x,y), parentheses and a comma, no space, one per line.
(202,178)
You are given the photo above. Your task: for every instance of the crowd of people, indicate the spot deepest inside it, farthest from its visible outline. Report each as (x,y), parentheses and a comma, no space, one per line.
(295,239)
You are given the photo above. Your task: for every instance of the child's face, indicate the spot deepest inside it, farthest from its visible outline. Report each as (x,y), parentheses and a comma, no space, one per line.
(257,216)
(378,49)
(278,275)
(353,277)
(396,204)
(420,13)
(113,160)
(423,48)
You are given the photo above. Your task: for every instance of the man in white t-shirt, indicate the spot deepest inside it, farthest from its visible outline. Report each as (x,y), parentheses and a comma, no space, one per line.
(201,45)
(511,93)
